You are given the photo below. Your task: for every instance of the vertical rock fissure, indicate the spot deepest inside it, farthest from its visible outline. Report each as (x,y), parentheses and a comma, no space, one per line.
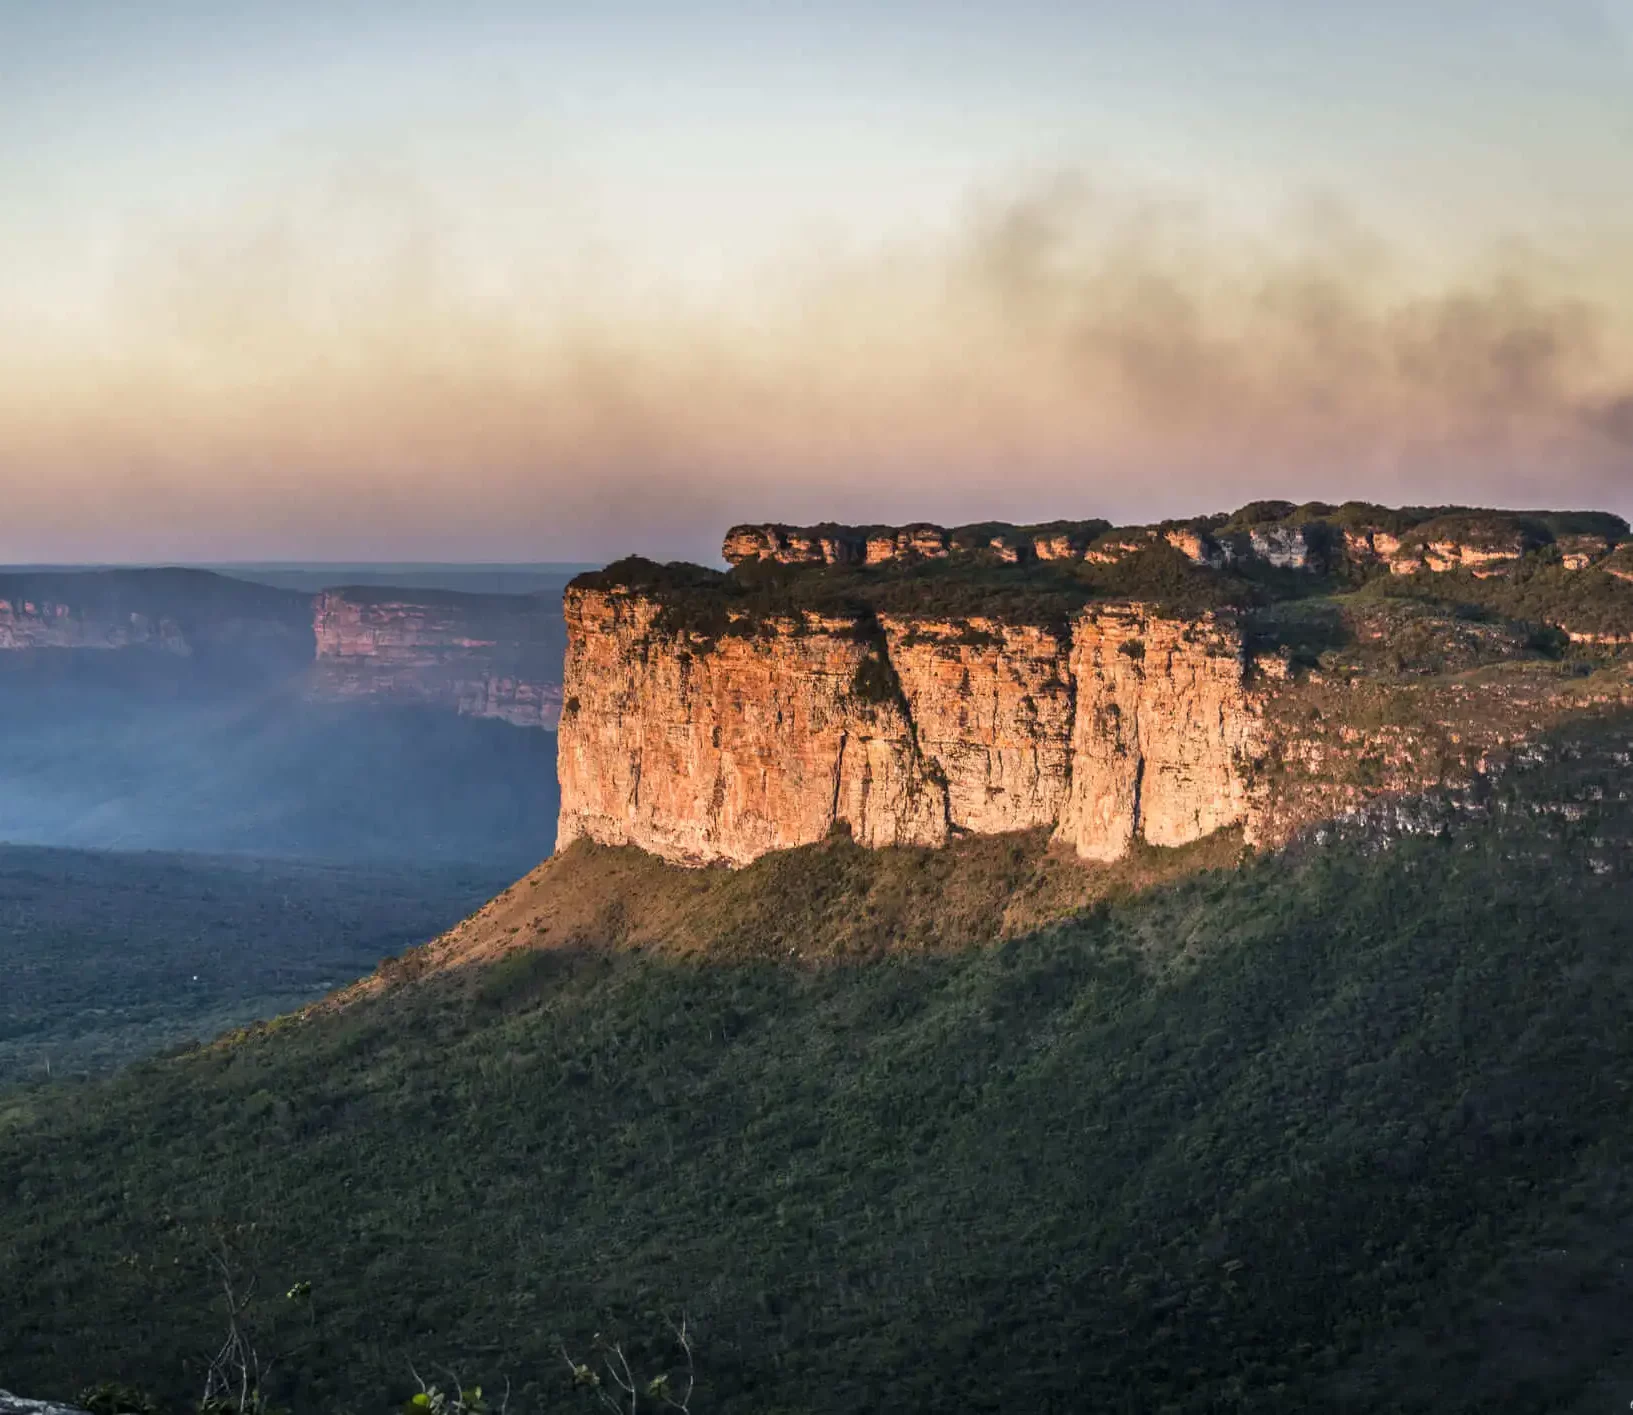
(1139,786)
(839,779)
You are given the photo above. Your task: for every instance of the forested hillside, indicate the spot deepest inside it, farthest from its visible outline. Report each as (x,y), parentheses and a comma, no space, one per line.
(108,957)
(1349,1127)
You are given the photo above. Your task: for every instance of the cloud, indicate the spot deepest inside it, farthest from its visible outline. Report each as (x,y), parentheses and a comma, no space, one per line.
(352,369)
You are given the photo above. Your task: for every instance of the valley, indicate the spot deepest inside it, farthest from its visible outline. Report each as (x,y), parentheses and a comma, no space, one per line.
(112,956)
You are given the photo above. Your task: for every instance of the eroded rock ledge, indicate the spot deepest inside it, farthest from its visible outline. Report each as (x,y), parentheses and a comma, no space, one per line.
(903,729)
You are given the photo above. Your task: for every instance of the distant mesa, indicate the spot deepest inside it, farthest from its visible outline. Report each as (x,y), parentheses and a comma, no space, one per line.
(479,655)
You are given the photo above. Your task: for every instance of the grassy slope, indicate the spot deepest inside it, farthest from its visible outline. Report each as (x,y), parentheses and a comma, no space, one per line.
(1346,1128)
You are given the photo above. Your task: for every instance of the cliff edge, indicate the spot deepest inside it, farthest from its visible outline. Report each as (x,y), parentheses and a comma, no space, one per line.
(1150,684)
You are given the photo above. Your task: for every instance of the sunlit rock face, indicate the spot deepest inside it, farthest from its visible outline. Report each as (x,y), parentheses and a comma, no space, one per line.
(911,683)
(1130,727)
(726,750)
(1163,731)
(481,655)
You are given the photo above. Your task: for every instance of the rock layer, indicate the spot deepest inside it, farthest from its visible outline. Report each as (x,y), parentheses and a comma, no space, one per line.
(1132,726)
(1163,733)
(911,683)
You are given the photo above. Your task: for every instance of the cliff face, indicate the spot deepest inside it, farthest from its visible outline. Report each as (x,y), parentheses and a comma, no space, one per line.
(1149,685)
(481,655)
(55,624)
(905,729)
(1164,731)
(1277,534)
(215,620)
(727,751)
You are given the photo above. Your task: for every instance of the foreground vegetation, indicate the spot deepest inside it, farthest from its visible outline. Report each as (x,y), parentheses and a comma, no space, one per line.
(1347,1128)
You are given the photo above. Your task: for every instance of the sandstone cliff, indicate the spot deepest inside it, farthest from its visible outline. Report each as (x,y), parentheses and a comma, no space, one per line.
(1143,686)
(1132,726)
(1314,537)
(481,655)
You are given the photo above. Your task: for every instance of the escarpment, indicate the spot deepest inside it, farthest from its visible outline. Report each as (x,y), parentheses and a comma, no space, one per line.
(480,655)
(1128,726)
(1147,686)
(725,750)
(211,619)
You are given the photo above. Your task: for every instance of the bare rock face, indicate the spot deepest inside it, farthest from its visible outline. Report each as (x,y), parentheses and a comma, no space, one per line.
(702,750)
(1577,552)
(1112,546)
(830,544)
(54,624)
(1483,544)
(791,545)
(991,707)
(1162,734)
(1198,547)
(482,655)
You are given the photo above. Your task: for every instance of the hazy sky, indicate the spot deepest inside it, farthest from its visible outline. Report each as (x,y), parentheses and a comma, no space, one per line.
(513,281)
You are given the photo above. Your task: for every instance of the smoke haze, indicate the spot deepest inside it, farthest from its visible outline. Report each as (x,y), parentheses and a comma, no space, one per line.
(324,374)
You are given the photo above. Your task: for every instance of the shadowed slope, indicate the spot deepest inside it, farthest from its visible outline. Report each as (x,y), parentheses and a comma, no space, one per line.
(1347,1128)
(820,903)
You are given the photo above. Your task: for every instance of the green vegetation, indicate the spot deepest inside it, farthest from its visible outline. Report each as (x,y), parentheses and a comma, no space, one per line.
(746,600)
(1348,1128)
(1538,589)
(975,582)
(113,956)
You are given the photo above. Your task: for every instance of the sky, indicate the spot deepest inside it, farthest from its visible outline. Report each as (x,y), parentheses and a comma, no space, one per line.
(505,281)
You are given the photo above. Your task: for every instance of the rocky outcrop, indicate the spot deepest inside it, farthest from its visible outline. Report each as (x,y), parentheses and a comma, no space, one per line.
(17,1405)
(713,718)
(1314,538)
(56,624)
(903,729)
(1163,733)
(831,544)
(703,751)
(480,655)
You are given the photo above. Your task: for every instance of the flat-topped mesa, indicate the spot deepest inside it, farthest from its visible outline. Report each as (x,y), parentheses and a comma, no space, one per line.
(1151,684)
(481,655)
(1119,724)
